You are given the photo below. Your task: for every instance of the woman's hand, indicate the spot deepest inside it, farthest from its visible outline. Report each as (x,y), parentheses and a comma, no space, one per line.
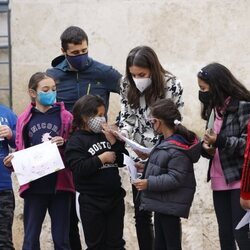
(141,155)
(141,184)
(7,161)
(58,140)
(109,134)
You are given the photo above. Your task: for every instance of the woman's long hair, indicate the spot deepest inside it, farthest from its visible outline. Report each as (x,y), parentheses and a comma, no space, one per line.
(145,57)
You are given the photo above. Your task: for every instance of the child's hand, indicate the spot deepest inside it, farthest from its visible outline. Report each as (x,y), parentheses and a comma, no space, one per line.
(58,140)
(7,161)
(210,137)
(107,157)
(5,132)
(141,184)
(108,133)
(245,203)
(210,150)
(141,155)
(140,167)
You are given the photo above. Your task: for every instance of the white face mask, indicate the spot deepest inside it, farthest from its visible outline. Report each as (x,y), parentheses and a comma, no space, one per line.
(95,123)
(142,83)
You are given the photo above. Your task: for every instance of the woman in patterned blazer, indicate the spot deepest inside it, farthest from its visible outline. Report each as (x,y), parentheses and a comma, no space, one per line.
(145,82)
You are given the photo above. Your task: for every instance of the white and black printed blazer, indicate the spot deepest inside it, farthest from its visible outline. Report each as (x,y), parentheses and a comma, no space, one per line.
(134,123)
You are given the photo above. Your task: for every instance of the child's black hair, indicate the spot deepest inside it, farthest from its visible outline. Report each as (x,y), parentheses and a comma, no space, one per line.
(222,84)
(167,111)
(86,106)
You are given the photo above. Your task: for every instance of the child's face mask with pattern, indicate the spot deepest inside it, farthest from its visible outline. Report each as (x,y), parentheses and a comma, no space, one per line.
(95,123)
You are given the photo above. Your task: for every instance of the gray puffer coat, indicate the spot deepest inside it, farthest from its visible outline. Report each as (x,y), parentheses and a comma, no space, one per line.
(171,179)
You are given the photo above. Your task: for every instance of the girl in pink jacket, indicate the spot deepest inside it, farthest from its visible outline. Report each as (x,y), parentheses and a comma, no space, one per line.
(41,121)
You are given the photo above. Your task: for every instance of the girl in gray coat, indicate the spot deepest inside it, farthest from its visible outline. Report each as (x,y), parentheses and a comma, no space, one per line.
(168,182)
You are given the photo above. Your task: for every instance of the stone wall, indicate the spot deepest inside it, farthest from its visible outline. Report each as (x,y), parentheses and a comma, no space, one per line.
(186,35)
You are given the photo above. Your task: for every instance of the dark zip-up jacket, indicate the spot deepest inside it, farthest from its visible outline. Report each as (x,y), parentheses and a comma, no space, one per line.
(171,179)
(95,79)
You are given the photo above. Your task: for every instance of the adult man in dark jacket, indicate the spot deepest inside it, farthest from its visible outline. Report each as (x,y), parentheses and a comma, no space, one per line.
(76,75)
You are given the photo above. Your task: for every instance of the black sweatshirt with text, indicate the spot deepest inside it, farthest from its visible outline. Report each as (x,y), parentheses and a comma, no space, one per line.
(91,177)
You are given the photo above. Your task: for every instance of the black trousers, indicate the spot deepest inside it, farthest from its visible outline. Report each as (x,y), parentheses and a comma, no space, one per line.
(143,224)
(74,236)
(167,232)
(7,205)
(229,212)
(35,208)
(102,221)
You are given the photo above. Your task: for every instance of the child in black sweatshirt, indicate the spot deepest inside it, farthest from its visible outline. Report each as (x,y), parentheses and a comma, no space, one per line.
(94,154)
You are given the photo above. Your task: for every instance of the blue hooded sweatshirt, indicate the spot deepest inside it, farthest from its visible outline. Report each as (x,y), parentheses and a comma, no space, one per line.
(95,79)
(7,117)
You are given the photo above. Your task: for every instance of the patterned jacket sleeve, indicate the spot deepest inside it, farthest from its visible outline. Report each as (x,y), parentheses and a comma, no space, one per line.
(174,90)
(245,179)
(127,118)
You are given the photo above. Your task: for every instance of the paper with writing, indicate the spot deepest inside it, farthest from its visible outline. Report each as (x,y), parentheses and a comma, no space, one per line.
(37,161)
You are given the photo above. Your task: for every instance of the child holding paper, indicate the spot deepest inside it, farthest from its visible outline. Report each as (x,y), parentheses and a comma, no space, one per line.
(45,120)
(168,181)
(94,155)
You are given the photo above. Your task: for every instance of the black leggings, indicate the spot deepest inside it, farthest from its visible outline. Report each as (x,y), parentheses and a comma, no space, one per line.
(143,225)
(167,232)
(229,213)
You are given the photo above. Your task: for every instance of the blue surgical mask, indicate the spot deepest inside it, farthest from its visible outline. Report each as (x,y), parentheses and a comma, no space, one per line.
(46,98)
(78,62)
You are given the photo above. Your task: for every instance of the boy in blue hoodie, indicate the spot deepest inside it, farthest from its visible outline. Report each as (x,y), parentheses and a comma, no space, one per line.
(7,202)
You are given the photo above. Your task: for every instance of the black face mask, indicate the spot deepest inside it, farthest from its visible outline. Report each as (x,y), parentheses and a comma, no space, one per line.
(205,97)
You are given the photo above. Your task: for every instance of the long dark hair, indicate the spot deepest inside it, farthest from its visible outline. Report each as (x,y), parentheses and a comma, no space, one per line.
(145,57)
(222,84)
(86,106)
(167,111)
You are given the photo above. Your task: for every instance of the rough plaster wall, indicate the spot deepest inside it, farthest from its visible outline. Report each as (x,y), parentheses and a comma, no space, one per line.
(186,35)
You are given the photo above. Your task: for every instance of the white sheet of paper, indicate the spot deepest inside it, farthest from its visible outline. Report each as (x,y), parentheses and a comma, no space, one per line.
(245,220)
(37,161)
(131,167)
(135,145)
